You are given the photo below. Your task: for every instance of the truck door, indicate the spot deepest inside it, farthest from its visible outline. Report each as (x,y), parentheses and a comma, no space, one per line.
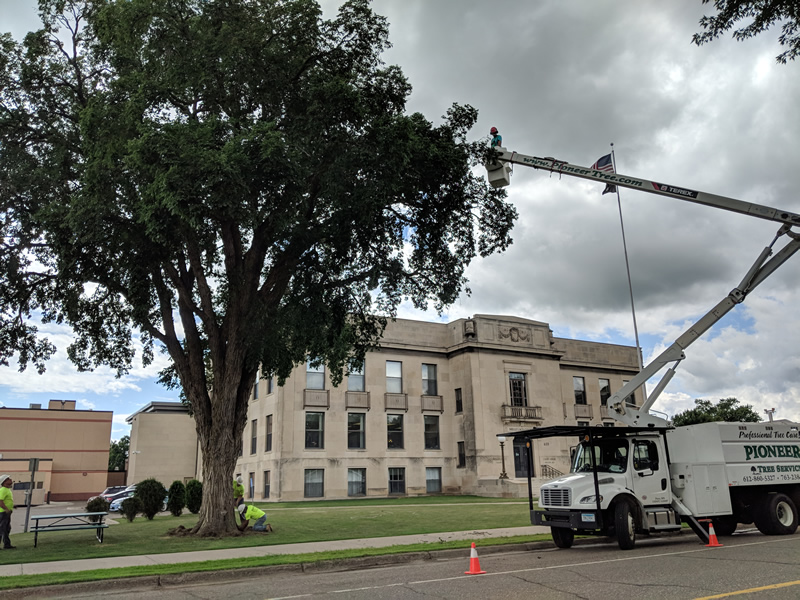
(650,481)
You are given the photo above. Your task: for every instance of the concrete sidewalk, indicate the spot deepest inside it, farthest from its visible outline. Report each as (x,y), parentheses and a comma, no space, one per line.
(303,548)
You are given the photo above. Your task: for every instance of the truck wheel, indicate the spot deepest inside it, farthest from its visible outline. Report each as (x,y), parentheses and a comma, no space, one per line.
(724,526)
(562,536)
(624,526)
(776,515)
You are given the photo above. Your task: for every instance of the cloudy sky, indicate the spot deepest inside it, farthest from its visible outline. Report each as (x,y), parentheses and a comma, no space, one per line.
(566,79)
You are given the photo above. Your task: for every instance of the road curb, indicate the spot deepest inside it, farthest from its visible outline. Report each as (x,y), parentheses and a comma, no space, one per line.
(338,564)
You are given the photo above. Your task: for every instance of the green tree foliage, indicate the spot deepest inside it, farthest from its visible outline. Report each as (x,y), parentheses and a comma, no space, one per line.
(194,495)
(727,409)
(177,498)
(759,15)
(130,507)
(151,493)
(245,167)
(118,453)
(96,504)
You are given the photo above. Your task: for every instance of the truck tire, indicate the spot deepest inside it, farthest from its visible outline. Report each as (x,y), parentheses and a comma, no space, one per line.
(625,525)
(724,526)
(562,536)
(776,514)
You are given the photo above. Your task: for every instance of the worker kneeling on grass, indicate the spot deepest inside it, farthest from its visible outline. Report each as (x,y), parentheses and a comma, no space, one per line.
(248,513)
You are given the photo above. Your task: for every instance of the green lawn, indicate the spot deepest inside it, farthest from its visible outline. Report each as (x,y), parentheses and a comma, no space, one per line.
(293,522)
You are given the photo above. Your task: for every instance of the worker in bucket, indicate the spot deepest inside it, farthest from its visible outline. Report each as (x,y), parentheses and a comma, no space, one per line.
(497,139)
(248,513)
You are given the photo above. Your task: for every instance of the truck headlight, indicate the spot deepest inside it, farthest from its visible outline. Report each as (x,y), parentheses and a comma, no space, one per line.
(590,499)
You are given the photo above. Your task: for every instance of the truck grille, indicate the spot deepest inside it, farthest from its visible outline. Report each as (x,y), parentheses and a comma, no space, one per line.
(556,497)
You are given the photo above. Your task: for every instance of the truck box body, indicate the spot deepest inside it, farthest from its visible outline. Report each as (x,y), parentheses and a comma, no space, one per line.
(707,459)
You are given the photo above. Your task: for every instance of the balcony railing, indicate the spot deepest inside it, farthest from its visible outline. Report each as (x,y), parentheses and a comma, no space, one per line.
(522,413)
(583,411)
(396,401)
(432,403)
(316,399)
(604,412)
(356,400)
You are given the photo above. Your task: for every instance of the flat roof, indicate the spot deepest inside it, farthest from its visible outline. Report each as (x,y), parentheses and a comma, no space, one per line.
(159,407)
(580,430)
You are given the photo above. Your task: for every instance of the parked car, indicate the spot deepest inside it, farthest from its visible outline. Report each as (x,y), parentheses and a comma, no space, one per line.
(109,491)
(116,505)
(119,494)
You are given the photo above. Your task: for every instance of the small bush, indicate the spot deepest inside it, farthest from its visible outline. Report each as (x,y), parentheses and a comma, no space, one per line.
(96,504)
(177,498)
(194,496)
(151,492)
(130,507)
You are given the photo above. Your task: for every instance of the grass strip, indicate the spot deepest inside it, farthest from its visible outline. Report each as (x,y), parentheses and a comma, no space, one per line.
(45,579)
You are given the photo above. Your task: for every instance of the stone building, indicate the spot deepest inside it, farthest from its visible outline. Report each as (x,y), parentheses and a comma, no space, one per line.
(423,415)
(163,444)
(71,447)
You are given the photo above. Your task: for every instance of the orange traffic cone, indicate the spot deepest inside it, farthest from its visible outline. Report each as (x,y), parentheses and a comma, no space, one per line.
(474,563)
(712,537)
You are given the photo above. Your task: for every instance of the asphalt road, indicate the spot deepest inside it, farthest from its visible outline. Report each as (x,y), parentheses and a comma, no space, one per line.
(749,566)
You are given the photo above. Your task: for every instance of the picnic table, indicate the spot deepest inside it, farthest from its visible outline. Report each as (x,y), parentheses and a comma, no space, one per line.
(69,522)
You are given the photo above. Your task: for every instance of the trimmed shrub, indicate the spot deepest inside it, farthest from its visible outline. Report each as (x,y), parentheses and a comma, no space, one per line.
(194,496)
(130,507)
(177,498)
(97,504)
(151,493)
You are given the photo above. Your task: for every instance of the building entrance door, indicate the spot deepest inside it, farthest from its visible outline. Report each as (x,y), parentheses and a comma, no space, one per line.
(520,459)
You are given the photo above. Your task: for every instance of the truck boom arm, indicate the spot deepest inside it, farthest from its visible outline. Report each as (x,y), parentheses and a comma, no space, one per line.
(498,168)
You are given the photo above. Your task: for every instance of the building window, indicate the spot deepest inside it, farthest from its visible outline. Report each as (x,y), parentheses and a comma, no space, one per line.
(459,401)
(356,482)
(629,400)
(356,431)
(255,389)
(579,387)
(268,432)
(429,387)
(462,456)
(253,434)
(251,487)
(266,484)
(315,430)
(314,483)
(433,480)
(519,391)
(608,424)
(583,423)
(355,380)
(431,432)
(270,385)
(397,480)
(605,391)
(315,376)
(394,428)
(394,377)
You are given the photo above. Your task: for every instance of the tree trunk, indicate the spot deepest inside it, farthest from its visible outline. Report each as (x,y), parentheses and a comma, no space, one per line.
(220,422)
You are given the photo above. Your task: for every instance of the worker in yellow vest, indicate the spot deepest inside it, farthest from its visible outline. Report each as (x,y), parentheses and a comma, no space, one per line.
(6,508)
(248,513)
(238,491)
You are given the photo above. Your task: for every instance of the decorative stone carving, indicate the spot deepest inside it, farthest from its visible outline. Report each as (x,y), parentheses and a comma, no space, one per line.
(469,328)
(515,334)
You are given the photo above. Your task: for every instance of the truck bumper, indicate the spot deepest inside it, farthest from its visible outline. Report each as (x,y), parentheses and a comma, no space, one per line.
(584,519)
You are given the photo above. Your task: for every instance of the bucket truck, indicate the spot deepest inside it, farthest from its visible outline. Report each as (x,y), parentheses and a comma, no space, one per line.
(646,476)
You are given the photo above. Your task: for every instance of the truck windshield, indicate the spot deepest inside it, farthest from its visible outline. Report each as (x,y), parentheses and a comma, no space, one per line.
(610,456)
